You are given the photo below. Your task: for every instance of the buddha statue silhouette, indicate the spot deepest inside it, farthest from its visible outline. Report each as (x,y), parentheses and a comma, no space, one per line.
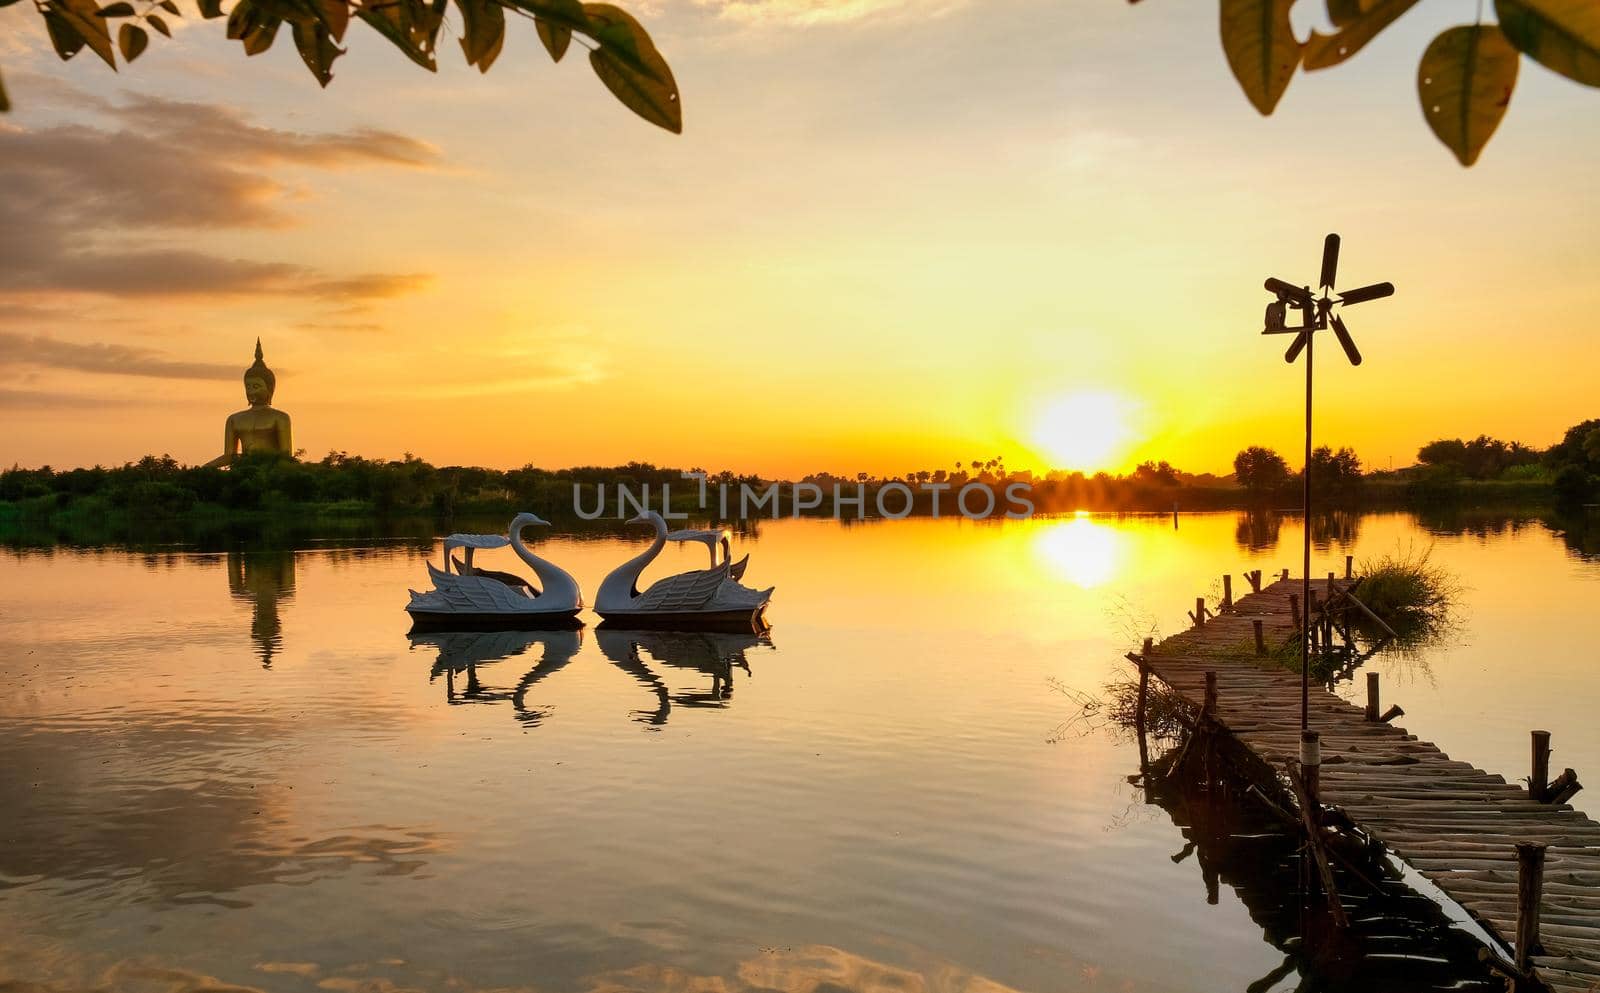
(260,428)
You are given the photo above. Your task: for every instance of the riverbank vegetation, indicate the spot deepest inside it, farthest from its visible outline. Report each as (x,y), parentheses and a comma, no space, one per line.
(1482,471)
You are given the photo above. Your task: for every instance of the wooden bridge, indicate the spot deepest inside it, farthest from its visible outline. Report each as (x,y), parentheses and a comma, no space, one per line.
(1521,863)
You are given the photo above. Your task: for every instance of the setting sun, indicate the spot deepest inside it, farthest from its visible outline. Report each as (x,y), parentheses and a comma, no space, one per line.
(1085,431)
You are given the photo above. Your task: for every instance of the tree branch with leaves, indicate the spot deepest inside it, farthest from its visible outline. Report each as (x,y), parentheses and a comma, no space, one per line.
(620,50)
(1466,75)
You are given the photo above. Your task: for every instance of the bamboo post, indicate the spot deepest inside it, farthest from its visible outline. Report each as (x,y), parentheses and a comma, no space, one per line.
(1261,641)
(1390,714)
(1530,890)
(1563,788)
(1539,781)
(1372,697)
(1294,609)
(1349,566)
(1144,682)
(1227,590)
(1311,767)
(1199,611)
(1209,709)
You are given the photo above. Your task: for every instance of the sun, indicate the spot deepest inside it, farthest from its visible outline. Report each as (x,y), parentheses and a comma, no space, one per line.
(1085,430)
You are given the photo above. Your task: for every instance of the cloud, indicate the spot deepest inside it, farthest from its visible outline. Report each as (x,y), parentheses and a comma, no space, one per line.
(94,207)
(343,327)
(821,11)
(41,400)
(98,357)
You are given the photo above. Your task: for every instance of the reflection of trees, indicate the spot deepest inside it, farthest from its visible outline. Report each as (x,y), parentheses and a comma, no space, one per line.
(169,812)
(1579,530)
(1335,527)
(1257,530)
(262,579)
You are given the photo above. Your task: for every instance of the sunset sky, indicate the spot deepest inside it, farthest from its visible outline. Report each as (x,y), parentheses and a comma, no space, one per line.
(893,235)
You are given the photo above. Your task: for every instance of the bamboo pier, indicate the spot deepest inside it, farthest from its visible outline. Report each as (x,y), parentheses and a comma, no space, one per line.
(1518,859)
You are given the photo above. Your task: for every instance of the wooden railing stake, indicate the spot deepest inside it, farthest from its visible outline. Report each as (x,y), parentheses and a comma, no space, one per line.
(1349,566)
(1227,590)
(1261,641)
(1199,611)
(1294,609)
(1209,709)
(1530,889)
(1539,780)
(1563,787)
(1372,696)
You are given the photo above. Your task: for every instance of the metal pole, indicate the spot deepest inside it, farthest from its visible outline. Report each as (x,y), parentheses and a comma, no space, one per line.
(1305,576)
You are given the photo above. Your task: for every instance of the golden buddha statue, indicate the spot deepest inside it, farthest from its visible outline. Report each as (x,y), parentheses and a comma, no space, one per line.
(260,428)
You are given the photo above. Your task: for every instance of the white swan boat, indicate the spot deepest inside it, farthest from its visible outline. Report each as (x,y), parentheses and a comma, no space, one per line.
(707,598)
(464,596)
(718,540)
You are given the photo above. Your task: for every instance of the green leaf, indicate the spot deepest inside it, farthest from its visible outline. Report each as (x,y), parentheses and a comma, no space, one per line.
(156,22)
(483,31)
(317,49)
(133,40)
(410,26)
(1342,12)
(562,13)
(84,16)
(1561,35)
(1322,51)
(63,36)
(249,23)
(336,16)
(628,63)
(1465,82)
(556,37)
(1261,48)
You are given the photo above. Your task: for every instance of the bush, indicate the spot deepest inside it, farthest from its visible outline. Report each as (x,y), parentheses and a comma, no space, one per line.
(1573,486)
(1413,595)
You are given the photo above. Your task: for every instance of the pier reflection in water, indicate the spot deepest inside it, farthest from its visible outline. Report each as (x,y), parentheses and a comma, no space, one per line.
(1399,940)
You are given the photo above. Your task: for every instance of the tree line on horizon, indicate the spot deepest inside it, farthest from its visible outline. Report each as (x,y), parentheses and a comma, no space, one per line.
(1568,471)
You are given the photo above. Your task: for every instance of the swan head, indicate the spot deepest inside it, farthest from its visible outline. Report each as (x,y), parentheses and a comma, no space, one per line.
(527,520)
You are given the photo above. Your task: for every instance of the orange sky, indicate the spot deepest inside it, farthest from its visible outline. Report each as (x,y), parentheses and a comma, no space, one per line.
(892,236)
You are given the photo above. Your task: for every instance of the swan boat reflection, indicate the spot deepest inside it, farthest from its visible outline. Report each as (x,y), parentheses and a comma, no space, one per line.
(712,653)
(461,654)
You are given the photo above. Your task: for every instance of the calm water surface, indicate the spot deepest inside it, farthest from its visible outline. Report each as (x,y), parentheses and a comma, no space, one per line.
(236,770)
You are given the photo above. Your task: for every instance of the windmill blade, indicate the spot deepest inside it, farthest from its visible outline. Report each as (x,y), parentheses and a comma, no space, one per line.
(1377,291)
(1296,346)
(1343,334)
(1330,260)
(1286,289)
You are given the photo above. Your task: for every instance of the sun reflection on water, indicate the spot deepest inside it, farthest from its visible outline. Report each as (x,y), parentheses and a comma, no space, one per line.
(1080,551)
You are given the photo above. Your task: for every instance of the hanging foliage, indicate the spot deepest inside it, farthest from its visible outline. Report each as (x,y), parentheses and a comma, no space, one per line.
(1465,77)
(621,52)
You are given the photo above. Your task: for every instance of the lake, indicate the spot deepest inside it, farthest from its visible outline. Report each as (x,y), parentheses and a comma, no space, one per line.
(233,769)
